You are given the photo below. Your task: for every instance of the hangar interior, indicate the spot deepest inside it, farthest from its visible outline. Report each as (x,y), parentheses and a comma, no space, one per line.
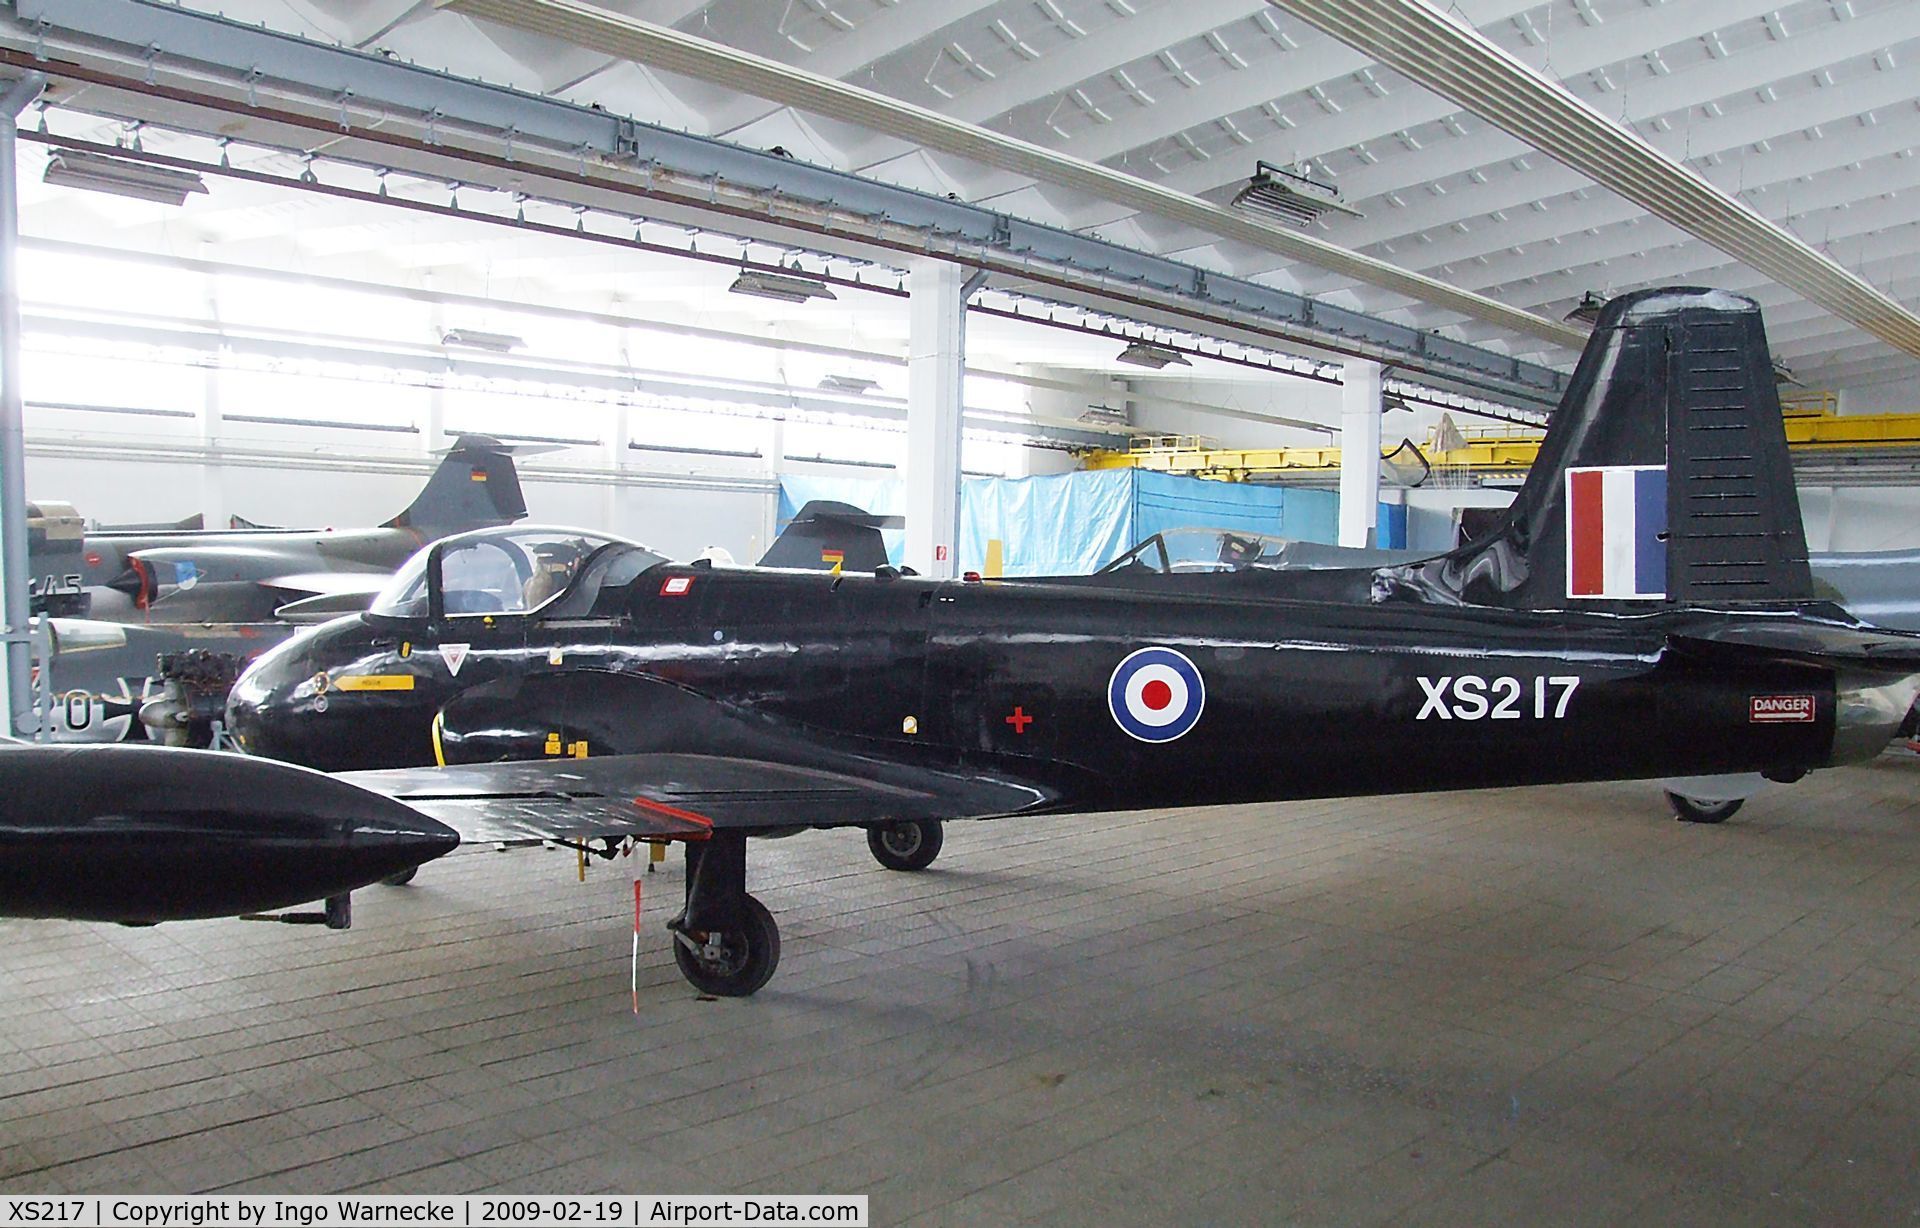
(275,256)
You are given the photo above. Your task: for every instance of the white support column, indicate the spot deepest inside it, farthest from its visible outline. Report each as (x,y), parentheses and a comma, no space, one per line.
(213,478)
(613,507)
(776,464)
(16,688)
(936,365)
(1359,452)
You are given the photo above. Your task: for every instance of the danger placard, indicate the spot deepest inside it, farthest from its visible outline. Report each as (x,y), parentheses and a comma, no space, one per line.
(1780,709)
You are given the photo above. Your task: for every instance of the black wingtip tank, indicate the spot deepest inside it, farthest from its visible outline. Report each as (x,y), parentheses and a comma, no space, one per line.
(475,487)
(1673,408)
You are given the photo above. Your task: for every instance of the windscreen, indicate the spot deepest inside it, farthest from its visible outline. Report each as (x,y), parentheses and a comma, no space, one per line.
(495,571)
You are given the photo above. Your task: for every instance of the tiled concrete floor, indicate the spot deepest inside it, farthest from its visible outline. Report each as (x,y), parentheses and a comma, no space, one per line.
(1549,1006)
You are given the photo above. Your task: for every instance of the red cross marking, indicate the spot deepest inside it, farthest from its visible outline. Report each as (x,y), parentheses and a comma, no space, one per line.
(1019,720)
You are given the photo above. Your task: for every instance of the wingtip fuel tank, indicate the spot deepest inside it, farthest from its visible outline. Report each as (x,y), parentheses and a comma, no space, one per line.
(137,834)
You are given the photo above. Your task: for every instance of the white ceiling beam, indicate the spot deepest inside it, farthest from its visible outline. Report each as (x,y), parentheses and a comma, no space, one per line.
(586,26)
(1113,46)
(1457,62)
(1314,63)
(1586,50)
(1799,181)
(1637,255)
(1867,374)
(880,35)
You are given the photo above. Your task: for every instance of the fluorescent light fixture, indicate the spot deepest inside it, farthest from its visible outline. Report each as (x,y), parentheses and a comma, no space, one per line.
(1104,415)
(1783,374)
(855,384)
(75,168)
(474,339)
(1147,354)
(1289,197)
(785,287)
(1587,310)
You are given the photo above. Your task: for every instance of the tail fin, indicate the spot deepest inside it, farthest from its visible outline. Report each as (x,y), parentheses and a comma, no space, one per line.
(1664,478)
(830,536)
(475,487)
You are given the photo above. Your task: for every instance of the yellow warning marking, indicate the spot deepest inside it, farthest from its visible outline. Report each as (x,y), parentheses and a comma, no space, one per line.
(553,744)
(406,649)
(995,566)
(374,682)
(658,852)
(439,755)
(577,749)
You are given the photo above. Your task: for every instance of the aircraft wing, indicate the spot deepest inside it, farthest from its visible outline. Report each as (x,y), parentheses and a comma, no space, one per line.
(329,583)
(682,796)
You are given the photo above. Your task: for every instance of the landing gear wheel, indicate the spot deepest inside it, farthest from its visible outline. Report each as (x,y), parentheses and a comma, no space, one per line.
(731,963)
(1699,810)
(401,879)
(910,844)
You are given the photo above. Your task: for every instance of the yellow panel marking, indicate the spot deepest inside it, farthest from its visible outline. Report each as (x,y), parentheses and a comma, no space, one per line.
(374,682)
(553,744)
(995,566)
(577,749)
(439,754)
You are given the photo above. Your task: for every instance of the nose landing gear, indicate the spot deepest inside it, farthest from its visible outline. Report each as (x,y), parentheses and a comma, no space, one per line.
(908,844)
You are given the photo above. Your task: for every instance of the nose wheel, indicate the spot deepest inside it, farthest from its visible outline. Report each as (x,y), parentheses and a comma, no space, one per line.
(909,844)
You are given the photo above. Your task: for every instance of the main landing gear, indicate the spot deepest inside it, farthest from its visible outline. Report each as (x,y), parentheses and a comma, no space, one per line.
(1702,810)
(907,844)
(725,941)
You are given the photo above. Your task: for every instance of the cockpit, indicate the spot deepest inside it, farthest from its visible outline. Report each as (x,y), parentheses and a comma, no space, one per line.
(1184,551)
(523,569)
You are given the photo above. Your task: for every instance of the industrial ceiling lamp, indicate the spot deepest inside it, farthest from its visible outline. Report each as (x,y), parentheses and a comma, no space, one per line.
(855,384)
(1783,374)
(1587,310)
(75,168)
(1289,196)
(1147,354)
(782,287)
(474,339)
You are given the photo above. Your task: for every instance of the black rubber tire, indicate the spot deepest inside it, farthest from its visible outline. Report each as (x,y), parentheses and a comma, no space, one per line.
(1695,810)
(401,879)
(909,844)
(752,953)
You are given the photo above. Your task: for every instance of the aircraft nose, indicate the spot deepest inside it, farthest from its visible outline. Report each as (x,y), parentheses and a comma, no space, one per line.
(269,698)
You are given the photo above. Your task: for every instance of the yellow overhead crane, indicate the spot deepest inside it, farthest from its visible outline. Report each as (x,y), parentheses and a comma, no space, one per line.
(1812,426)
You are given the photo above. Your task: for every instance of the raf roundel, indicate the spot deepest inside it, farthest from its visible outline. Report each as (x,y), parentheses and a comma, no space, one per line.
(1156,695)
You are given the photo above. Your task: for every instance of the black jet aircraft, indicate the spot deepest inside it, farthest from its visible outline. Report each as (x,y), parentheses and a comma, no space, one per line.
(138,834)
(1643,610)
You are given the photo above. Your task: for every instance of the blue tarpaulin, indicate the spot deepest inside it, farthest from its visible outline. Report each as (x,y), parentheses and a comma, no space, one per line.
(1075,523)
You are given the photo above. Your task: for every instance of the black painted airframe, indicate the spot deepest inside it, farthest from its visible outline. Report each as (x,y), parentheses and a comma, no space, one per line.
(1644,610)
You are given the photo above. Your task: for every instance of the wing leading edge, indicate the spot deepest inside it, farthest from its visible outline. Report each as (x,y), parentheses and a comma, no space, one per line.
(683,796)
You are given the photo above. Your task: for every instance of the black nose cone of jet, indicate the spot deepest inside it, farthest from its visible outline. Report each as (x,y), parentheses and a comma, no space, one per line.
(140,834)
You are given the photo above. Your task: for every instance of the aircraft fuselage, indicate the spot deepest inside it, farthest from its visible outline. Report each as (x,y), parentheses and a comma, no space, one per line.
(1203,692)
